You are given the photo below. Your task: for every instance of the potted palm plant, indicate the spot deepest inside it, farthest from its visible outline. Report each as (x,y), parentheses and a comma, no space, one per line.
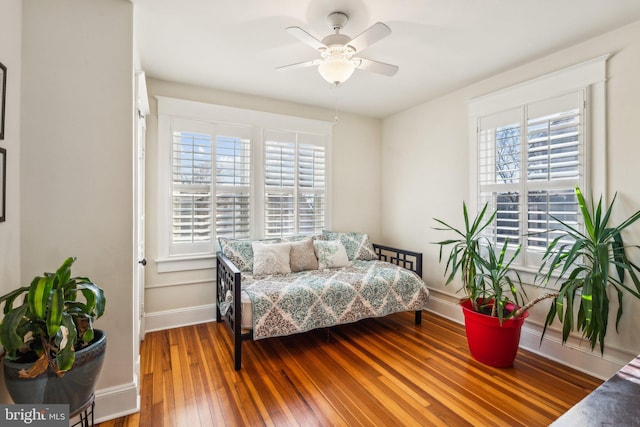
(493,291)
(52,353)
(587,266)
(581,264)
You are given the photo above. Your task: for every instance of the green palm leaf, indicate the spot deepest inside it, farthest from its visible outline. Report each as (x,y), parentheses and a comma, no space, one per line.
(586,263)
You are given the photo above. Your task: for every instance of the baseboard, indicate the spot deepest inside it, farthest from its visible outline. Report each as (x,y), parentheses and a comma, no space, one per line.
(445,305)
(574,353)
(115,402)
(161,320)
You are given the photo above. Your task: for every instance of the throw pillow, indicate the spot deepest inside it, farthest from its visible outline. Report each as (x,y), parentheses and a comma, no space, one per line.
(271,258)
(331,254)
(357,245)
(303,256)
(239,252)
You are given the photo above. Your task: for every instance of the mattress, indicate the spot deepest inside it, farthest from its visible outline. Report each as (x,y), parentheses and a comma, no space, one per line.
(247,311)
(277,305)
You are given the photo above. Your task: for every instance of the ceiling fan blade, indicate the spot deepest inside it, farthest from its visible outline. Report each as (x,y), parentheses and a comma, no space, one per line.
(300,65)
(305,37)
(369,36)
(375,66)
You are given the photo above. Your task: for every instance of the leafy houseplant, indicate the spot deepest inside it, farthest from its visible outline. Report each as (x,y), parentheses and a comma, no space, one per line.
(494,293)
(578,261)
(52,352)
(489,281)
(51,322)
(586,263)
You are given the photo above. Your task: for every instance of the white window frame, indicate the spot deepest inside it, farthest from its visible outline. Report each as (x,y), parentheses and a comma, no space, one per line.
(170,109)
(588,76)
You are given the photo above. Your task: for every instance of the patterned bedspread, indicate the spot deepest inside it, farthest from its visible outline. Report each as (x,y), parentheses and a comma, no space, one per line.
(299,302)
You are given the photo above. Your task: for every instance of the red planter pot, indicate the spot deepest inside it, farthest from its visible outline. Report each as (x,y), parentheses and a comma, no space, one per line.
(490,342)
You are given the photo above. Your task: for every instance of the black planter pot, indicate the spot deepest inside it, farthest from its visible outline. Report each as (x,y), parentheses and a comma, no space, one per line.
(75,387)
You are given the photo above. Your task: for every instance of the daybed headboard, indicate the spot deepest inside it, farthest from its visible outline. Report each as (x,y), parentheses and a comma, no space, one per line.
(405,259)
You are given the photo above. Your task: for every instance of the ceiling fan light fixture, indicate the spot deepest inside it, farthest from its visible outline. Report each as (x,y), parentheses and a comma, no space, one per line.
(336,68)
(338,51)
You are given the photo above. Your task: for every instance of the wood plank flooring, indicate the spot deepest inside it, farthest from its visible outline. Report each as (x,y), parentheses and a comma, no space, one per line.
(377,372)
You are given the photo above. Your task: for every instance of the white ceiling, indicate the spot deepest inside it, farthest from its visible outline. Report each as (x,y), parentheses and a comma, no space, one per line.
(439,45)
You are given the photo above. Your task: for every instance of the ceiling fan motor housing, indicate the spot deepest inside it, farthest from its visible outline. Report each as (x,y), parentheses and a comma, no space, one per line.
(337,20)
(337,42)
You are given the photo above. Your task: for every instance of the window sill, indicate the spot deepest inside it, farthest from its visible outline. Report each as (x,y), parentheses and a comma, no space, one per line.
(184,263)
(528,275)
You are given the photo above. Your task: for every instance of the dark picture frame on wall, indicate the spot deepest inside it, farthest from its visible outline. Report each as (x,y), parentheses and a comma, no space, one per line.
(3,183)
(3,96)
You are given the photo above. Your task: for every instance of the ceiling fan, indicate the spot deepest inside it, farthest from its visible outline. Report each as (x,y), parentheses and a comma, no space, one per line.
(337,60)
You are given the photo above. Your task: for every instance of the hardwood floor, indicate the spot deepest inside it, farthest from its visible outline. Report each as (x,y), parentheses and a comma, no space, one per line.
(377,372)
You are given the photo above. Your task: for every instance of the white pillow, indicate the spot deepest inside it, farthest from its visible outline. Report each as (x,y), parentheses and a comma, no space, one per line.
(330,253)
(271,258)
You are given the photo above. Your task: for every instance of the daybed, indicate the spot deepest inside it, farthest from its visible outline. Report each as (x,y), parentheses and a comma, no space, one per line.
(302,283)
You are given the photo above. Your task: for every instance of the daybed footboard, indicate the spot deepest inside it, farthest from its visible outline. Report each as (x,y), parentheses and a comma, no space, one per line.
(228,298)
(405,259)
(229,287)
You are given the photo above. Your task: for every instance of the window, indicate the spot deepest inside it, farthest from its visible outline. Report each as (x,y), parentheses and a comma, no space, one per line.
(294,189)
(231,174)
(191,189)
(208,162)
(532,145)
(233,182)
(530,160)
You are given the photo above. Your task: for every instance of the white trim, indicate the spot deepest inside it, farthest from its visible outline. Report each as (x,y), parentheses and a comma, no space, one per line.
(183,283)
(117,401)
(193,262)
(169,319)
(596,138)
(232,115)
(549,85)
(572,353)
(142,100)
(164,185)
(446,305)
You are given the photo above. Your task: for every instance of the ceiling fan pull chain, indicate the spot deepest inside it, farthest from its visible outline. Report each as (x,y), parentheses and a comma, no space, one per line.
(335,94)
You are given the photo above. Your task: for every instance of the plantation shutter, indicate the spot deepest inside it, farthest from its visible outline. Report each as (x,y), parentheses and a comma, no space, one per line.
(555,166)
(530,159)
(311,184)
(233,181)
(210,163)
(280,180)
(192,163)
(499,155)
(295,169)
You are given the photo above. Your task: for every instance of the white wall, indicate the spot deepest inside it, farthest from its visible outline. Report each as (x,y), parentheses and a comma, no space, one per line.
(425,176)
(10,52)
(187,297)
(76,164)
